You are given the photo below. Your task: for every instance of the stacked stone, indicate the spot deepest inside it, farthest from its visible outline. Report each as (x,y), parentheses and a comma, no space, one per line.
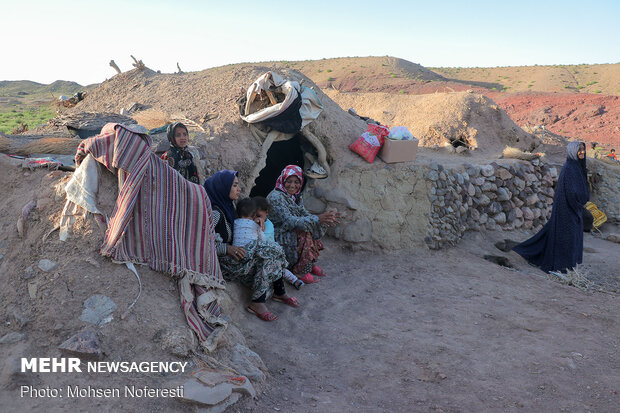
(606,189)
(478,197)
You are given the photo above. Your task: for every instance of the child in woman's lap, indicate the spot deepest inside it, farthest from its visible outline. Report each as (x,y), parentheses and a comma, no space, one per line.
(262,211)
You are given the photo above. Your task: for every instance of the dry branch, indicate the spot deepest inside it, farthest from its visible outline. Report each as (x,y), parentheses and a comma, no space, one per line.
(115,66)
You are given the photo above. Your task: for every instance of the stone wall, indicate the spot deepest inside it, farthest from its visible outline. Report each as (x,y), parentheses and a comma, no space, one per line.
(606,188)
(511,195)
(404,206)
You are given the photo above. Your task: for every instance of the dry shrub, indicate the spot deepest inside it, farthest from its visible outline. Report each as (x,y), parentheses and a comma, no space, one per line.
(578,277)
(152,118)
(62,146)
(515,153)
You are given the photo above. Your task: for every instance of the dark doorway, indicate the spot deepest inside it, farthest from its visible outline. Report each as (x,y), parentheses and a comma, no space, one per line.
(279,155)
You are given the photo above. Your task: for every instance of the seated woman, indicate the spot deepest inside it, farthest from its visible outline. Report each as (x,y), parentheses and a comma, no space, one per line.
(298,231)
(178,156)
(259,265)
(558,246)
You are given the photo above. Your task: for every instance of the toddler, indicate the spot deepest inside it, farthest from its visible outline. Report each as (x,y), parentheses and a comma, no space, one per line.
(262,210)
(246,229)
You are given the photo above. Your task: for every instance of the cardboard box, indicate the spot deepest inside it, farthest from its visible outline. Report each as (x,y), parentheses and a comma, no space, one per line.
(399,151)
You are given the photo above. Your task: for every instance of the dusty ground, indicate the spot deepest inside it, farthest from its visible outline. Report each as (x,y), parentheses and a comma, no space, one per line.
(442,331)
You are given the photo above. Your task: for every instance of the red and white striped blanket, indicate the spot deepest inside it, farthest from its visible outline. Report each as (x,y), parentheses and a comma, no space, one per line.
(162,220)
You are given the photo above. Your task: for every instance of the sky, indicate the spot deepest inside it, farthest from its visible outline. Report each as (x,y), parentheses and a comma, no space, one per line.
(44,41)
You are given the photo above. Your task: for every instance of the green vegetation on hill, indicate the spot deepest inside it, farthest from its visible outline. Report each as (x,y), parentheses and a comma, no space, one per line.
(32,116)
(27,88)
(31,102)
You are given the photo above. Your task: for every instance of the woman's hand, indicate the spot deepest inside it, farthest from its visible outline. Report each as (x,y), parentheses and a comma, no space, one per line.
(237,253)
(329,218)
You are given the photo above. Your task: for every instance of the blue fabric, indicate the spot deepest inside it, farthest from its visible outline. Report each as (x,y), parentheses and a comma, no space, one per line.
(218,189)
(558,246)
(269,231)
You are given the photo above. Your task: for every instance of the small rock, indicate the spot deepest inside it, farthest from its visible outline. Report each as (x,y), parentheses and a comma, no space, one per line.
(503,194)
(28,273)
(196,392)
(500,218)
(495,208)
(487,170)
(483,218)
(179,341)
(98,310)
(84,345)
(488,186)
(528,214)
(17,317)
(532,199)
(504,174)
(471,190)
(613,238)
(248,363)
(12,338)
(484,200)
(433,175)
(461,149)
(47,265)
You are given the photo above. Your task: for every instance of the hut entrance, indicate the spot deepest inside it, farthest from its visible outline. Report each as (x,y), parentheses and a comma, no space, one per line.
(279,155)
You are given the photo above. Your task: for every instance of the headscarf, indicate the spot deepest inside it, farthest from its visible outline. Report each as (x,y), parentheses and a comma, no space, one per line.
(218,189)
(290,170)
(571,155)
(179,158)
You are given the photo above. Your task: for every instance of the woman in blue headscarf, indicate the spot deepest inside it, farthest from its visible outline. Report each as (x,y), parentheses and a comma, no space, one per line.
(260,269)
(558,246)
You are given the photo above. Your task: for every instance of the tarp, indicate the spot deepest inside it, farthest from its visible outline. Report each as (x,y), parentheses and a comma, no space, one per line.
(311,105)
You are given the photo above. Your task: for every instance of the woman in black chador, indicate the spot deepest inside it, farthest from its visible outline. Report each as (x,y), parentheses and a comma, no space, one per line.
(558,246)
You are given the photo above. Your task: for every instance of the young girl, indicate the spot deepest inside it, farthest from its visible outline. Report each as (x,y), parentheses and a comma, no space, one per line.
(178,156)
(262,211)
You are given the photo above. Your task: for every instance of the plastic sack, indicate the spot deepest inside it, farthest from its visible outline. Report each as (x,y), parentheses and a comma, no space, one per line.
(367,146)
(379,131)
(400,133)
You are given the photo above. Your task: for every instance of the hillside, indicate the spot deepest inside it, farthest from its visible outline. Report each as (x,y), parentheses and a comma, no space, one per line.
(603,78)
(19,93)
(578,101)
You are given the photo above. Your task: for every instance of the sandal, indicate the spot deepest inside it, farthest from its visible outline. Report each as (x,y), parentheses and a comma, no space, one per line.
(309,279)
(316,270)
(266,316)
(292,301)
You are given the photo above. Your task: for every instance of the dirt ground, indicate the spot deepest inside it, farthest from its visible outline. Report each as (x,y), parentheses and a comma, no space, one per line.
(442,331)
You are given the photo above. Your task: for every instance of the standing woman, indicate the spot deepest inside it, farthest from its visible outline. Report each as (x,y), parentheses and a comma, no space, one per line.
(297,230)
(261,266)
(178,156)
(558,246)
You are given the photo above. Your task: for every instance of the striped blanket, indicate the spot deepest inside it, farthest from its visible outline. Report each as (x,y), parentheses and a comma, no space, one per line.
(162,220)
